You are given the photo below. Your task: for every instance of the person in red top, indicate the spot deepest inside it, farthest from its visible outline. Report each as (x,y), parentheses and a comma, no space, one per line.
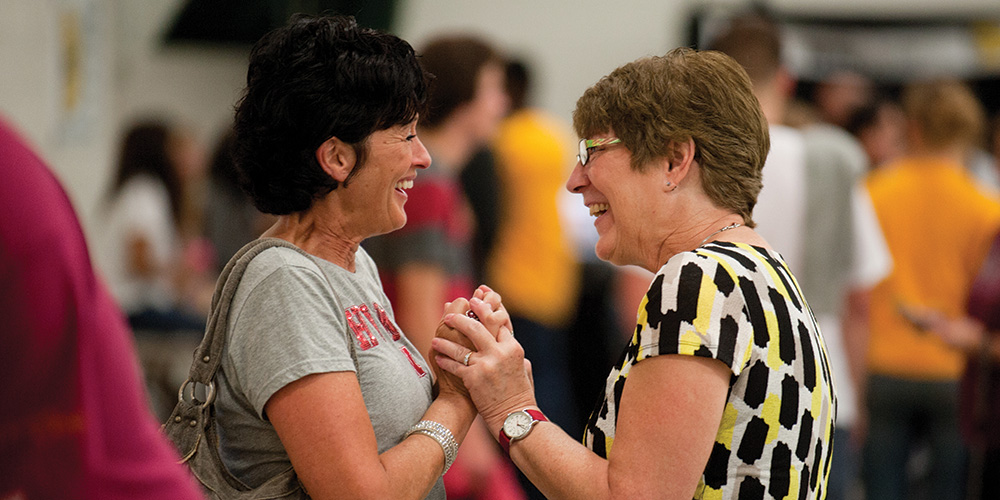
(429,261)
(74,423)
(977,334)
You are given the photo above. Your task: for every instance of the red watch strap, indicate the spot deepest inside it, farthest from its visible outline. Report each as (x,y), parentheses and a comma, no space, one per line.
(537,415)
(504,442)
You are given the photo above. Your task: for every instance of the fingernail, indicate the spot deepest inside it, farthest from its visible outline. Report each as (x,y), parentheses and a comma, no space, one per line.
(476,300)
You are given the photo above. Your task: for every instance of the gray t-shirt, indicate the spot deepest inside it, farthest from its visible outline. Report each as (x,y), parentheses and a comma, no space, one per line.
(292,316)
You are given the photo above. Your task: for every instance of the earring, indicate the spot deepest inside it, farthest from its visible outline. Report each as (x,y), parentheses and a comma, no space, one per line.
(672,187)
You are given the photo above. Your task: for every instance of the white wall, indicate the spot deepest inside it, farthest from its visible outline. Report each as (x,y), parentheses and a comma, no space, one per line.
(125,70)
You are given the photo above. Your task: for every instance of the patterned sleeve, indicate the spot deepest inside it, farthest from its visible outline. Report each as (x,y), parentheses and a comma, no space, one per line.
(694,307)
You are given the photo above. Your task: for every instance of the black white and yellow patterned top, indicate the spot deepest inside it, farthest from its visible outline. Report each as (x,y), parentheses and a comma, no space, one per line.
(739,304)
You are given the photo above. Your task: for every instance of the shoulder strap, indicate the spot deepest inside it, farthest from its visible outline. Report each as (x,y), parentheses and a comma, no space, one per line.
(208,355)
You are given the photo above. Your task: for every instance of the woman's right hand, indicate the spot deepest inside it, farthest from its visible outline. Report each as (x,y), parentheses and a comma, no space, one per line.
(490,306)
(447,382)
(497,375)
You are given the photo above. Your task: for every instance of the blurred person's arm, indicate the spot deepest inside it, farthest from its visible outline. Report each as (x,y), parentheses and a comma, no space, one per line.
(420,295)
(872,264)
(965,334)
(855,331)
(189,272)
(140,256)
(81,426)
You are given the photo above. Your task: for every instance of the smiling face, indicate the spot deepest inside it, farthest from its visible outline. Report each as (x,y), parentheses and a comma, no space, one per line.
(619,197)
(376,195)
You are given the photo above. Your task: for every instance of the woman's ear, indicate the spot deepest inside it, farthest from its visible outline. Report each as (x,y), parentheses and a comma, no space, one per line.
(336,158)
(679,161)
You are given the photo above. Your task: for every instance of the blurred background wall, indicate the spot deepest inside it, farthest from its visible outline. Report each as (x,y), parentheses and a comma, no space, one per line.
(73,72)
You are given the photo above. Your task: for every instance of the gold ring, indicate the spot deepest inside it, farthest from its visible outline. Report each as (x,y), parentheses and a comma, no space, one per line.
(466,360)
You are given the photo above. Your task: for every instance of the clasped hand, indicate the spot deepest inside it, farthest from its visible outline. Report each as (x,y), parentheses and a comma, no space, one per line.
(481,357)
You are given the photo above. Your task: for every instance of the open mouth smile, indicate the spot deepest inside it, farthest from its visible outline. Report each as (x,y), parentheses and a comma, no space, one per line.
(598,209)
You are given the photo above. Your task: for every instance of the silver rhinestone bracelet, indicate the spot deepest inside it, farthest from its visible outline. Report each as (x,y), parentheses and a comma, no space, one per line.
(442,435)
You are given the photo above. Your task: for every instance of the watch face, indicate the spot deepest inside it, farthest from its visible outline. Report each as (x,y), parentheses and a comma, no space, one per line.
(517,424)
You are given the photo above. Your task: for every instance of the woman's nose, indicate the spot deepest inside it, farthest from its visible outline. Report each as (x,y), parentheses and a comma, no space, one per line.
(577,179)
(421,158)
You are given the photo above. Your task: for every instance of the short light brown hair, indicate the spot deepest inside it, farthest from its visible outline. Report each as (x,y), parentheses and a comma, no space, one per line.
(945,112)
(687,94)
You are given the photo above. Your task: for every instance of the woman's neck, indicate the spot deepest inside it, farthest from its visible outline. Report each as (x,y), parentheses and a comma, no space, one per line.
(306,231)
(701,227)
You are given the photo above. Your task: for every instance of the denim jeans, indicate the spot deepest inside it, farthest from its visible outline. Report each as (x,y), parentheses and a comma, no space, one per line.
(903,413)
(843,467)
(546,349)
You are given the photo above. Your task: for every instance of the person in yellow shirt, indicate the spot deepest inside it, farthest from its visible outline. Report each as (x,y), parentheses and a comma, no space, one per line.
(938,226)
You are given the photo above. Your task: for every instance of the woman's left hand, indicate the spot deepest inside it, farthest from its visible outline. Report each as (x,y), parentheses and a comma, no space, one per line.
(496,375)
(448,382)
(490,306)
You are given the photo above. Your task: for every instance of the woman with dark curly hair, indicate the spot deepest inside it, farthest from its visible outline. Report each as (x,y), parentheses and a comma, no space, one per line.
(316,374)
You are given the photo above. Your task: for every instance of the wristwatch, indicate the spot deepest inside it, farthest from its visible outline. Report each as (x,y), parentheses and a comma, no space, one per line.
(517,425)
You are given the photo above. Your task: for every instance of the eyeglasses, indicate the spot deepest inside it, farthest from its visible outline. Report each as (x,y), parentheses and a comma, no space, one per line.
(588,145)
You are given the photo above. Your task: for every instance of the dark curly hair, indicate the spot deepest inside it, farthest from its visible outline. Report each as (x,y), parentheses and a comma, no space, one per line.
(313,79)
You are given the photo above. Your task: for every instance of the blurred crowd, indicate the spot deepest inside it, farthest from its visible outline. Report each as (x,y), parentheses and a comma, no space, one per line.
(882,198)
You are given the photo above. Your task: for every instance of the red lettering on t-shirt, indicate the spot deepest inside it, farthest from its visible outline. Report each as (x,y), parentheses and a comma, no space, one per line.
(413,362)
(367,314)
(383,318)
(356,321)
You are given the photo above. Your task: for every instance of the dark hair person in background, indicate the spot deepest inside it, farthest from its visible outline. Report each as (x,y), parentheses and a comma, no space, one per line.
(429,261)
(326,141)
(141,249)
(724,390)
